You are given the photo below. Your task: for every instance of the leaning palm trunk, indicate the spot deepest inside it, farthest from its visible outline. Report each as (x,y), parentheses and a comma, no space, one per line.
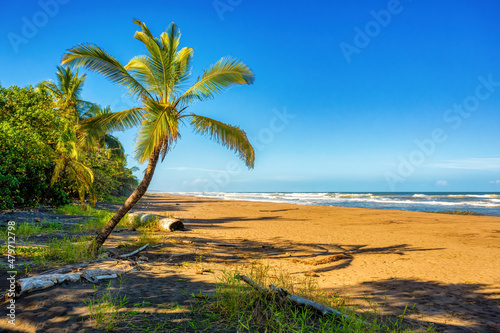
(129,203)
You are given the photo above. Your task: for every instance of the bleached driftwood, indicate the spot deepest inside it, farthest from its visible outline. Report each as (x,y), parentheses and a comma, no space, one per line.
(43,282)
(223,244)
(40,282)
(171,224)
(134,252)
(297,300)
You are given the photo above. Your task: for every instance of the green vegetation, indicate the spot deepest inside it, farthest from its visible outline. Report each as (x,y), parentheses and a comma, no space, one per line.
(29,131)
(56,252)
(246,309)
(43,160)
(158,79)
(27,229)
(104,309)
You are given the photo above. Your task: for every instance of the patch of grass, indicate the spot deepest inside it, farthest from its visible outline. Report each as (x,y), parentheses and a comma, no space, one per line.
(456,212)
(27,229)
(146,237)
(99,217)
(245,309)
(57,252)
(104,310)
(115,200)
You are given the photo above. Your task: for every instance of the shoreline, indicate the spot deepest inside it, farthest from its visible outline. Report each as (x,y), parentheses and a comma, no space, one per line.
(465,203)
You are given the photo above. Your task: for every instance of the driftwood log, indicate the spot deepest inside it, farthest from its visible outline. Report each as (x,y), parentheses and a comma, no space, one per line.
(297,300)
(171,224)
(40,282)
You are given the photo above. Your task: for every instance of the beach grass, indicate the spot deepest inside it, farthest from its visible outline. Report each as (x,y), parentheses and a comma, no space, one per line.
(245,309)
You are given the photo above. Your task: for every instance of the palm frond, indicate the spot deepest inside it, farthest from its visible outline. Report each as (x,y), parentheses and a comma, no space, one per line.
(215,79)
(96,59)
(140,68)
(232,137)
(92,129)
(159,129)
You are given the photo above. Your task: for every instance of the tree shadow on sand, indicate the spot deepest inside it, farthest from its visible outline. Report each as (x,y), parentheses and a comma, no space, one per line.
(451,307)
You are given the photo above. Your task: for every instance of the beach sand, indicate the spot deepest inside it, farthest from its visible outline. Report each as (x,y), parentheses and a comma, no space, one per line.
(446,266)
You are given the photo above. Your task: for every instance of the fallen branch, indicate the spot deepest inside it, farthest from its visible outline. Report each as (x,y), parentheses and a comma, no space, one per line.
(134,252)
(252,283)
(297,300)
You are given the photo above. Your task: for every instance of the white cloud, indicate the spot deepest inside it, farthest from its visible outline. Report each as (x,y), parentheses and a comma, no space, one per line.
(495,181)
(470,164)
(442,183)
(196,182)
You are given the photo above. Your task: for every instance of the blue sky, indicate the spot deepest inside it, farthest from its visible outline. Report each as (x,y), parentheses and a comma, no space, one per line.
(349,95)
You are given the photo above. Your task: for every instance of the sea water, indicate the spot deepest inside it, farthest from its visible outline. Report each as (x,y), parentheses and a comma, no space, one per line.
(480,203)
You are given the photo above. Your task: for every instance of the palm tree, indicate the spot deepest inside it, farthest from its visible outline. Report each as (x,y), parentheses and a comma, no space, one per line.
(158,79)
(66,92)
(68,156)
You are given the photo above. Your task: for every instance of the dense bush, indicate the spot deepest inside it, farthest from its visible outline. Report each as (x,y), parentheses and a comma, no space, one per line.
(28,129)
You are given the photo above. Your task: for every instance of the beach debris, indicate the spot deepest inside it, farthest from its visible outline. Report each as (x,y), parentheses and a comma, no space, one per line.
(297,300)
(40,282)
(134,252)
(330,259)
(311,274)
(223,244)
(171,224)
(203,270)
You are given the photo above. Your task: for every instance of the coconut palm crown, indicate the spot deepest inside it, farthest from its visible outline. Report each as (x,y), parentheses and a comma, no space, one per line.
(158,80)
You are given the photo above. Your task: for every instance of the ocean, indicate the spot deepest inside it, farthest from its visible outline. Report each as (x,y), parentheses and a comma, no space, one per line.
(480,203)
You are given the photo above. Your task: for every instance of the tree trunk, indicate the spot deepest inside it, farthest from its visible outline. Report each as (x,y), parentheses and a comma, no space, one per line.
(131,201)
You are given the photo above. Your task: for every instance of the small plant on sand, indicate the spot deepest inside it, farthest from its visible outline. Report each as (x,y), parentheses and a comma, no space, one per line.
(105,310)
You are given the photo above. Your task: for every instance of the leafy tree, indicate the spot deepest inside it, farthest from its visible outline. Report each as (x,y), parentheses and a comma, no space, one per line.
(157,79)
(29,131)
